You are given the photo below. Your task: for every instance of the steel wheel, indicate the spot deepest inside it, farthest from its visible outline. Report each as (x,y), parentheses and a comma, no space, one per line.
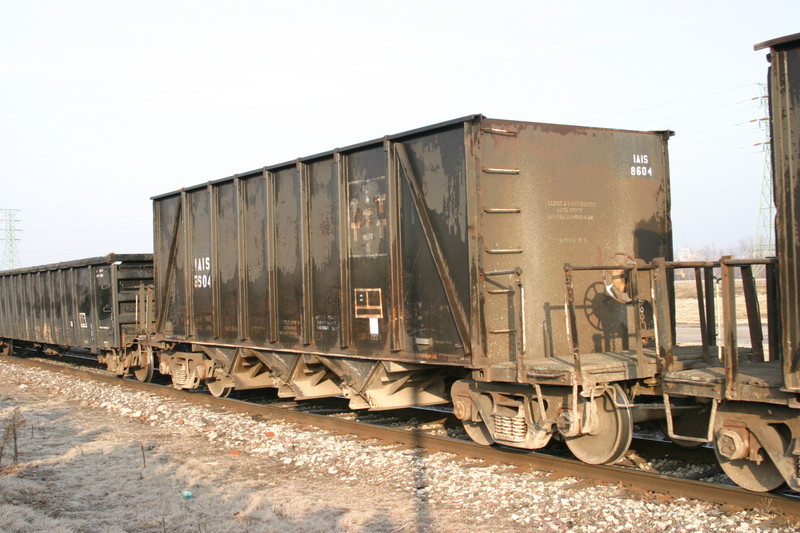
(478,432)
(611,432)
(750,475)
(6,347)
(221,388)
(144,372)
(116,362)
(761,476)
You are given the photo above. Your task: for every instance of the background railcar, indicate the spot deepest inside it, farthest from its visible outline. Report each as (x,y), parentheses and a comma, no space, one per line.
(751,399)
(100,305)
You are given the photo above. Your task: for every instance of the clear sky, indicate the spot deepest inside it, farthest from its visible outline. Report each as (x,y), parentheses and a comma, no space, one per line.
(104,104)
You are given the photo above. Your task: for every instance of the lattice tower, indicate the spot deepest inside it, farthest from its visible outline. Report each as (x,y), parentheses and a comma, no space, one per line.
(765,232)
(10,233)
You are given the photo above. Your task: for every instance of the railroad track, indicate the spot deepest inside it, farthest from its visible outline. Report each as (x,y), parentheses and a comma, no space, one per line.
(784,504)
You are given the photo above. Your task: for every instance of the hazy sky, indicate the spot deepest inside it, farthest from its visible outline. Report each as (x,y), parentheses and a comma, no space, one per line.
(104,104)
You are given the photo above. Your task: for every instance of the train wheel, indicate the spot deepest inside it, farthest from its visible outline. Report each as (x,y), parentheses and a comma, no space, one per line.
(6,347)
(144,372)
(478,432)
(117,362)
(611,430)
(730,444)
(221,388)
(468,412)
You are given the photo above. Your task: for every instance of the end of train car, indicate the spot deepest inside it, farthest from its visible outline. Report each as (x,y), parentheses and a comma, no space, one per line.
(101,306)
(751,396)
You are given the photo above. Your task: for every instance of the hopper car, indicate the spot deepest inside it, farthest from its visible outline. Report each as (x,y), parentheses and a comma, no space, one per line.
(421,267)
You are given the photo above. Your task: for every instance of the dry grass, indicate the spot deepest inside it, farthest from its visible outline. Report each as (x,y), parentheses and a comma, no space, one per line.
(81,470)
(686,310)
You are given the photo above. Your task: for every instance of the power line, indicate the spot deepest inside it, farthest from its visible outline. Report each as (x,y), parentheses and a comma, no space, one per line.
(715,192)
(694,97)
(707,161)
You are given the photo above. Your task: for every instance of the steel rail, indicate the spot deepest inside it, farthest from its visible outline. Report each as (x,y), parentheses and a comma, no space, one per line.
(787,506)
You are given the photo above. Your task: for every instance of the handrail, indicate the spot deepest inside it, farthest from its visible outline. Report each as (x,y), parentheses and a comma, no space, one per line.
(679,264)
(519,329)
(664,320)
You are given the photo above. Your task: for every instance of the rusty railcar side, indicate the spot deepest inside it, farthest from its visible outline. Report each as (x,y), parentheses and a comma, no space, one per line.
(784,94)
(439,248)
(96,304)
(550,194)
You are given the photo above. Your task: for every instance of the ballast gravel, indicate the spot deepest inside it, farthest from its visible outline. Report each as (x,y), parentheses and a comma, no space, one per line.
(95,457)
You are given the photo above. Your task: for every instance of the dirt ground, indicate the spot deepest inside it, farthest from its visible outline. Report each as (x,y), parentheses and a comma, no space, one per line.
(96,458)
(82,469)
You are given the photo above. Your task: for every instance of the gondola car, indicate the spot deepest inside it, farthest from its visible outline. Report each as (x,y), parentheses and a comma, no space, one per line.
(421,267)
(100,306)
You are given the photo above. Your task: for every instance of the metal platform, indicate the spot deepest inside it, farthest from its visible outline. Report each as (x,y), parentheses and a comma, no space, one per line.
(593,368)
(759,381)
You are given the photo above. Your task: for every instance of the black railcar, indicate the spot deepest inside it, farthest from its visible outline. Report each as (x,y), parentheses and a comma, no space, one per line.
(386,270)
(101,305)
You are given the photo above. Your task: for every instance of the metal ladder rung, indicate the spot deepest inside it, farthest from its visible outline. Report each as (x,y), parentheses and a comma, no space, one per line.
(499,131)
(501,331)
(503,250)
(489,170)
(516,271)
(500,291)
(501,210)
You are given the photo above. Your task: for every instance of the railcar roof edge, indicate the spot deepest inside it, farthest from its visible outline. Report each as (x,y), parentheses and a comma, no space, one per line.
(378,141)
(100,260)
(772,43)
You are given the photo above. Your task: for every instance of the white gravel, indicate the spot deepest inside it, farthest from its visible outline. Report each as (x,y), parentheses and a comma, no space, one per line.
(100,458)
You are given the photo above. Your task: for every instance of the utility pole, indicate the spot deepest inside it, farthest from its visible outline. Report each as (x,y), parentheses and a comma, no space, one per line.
(9,232)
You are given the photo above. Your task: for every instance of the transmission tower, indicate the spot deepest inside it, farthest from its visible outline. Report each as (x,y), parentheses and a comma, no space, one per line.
(10,231)
(765,233)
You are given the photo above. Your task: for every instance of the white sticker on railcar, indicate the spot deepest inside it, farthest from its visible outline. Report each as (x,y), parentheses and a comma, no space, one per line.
(373,326)
(202,272)
(571,209)
(641,166)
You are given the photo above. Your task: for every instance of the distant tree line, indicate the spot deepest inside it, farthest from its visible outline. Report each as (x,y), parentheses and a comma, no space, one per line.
(744,249)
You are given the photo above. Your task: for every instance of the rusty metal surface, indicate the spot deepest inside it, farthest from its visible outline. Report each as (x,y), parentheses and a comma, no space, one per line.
(571,194)
(89,303)
(784,505)
(396,248)
(705,376)
(784,92)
